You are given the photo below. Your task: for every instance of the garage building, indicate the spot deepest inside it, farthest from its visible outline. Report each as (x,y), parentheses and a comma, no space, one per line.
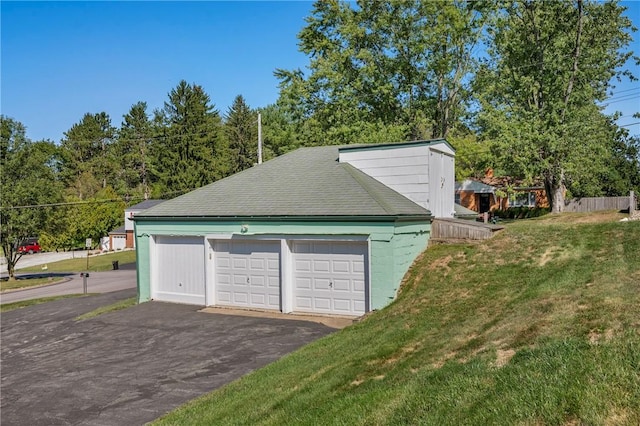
(304,232)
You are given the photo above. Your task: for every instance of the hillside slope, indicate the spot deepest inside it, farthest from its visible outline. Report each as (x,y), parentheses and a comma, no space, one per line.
(540,325)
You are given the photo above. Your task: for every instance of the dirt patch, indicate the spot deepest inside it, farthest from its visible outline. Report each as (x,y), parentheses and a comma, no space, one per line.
(503,356)
(442,263)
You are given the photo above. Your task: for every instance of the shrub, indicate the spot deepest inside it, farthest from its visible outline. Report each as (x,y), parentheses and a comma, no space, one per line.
(521,212)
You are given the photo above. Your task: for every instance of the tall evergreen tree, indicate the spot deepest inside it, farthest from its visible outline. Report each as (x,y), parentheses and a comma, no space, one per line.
(241,127)
(190,150)
(87,152)
(133,150)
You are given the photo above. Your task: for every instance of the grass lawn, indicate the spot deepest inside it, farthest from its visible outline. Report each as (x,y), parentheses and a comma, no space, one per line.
(27,282)
(96,263)
(123,304)
(539,325)
(23,304)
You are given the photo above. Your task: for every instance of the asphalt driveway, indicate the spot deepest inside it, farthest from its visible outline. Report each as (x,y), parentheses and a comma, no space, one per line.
(128,367)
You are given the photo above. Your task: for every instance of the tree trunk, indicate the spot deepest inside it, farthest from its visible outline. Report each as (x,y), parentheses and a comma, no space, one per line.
(555,188)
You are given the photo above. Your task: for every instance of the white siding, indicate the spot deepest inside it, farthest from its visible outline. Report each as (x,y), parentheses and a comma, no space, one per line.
(403,169)
(442,183)
(422,173)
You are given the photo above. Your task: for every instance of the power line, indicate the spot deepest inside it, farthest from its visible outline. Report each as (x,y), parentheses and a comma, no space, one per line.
(74,203)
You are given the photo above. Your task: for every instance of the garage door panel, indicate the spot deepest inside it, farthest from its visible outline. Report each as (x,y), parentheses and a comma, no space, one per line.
(253,268)
(330,277)
(321,284)
(342,285)
(180,274)
(342,305)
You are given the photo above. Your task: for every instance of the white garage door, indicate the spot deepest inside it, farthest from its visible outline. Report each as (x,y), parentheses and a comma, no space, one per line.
(119,242)
(330,277)
(248,273)
(180,270)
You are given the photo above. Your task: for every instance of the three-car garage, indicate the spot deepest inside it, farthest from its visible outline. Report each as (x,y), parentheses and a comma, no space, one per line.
(328,276)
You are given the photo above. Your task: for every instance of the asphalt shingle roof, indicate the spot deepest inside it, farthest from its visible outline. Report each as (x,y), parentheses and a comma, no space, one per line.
(308,182)
(146,204)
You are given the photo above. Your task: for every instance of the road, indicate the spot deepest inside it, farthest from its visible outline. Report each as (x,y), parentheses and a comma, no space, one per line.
(35,259)
(98,282)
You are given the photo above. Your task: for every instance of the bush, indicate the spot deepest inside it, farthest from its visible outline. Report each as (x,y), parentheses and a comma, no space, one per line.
(521,212)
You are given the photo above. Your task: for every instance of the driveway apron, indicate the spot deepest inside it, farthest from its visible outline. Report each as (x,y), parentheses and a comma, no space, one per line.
(128,367)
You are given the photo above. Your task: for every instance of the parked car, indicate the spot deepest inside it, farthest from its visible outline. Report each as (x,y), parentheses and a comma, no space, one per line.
(30,247)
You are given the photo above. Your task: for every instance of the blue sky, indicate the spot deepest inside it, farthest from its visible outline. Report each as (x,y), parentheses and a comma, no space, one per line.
(61,60)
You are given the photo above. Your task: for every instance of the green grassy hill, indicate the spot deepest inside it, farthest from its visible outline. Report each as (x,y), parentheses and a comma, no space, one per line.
(539,325)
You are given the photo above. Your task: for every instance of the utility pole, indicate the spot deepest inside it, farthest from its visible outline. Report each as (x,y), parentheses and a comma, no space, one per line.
(259,139)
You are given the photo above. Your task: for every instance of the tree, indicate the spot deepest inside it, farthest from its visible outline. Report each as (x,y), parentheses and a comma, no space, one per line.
(241,127)
(386,65)
(87,151)
(190,150)
(551,62)
(28,182)
(132,150)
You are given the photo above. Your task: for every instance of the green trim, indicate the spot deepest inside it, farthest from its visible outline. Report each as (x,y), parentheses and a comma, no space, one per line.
(375,147)
(386,218)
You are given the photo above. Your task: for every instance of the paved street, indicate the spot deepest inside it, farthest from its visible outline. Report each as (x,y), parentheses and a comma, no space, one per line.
(35,259)
(131,366)
(98,282)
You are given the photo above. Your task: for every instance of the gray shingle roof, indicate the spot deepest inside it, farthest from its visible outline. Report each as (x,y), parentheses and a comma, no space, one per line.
(474,186)
(308,182)
(146,204)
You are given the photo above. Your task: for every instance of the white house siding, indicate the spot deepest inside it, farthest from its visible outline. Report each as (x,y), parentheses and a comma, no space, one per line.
(403,169)
(442,183)
(422,173)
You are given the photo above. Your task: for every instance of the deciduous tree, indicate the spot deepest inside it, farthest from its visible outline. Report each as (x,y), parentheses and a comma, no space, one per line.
(551,62)
(28,182)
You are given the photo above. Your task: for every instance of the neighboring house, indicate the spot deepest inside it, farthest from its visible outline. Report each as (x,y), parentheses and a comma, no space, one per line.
(498,193)
(122,237)
(129,214)
(305,232)
(118,239)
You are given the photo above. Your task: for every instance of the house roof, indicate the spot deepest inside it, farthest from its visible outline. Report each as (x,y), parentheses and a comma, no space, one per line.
(118,230)
(474,186)
(508,181)
(146,204)
(308,182)
(461,211)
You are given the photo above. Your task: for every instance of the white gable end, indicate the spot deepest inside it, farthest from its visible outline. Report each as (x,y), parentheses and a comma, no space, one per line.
(421,171)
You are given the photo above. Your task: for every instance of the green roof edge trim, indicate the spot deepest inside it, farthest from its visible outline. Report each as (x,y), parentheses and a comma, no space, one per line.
(406,218)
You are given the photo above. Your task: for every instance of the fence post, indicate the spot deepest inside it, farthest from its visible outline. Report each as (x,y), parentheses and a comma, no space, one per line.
(632,203)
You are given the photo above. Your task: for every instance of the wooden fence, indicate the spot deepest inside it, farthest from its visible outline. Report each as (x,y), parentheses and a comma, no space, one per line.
(592,204)
(459,229)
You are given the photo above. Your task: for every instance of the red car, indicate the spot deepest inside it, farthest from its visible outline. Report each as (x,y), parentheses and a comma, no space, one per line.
(31,247)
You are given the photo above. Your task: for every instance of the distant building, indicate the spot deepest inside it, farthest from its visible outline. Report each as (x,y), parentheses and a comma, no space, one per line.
(498,193)
(122,237)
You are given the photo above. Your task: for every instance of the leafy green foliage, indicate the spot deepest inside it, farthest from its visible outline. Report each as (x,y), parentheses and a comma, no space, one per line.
(403,64)
(94,218)
(28,179)
(550,63)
